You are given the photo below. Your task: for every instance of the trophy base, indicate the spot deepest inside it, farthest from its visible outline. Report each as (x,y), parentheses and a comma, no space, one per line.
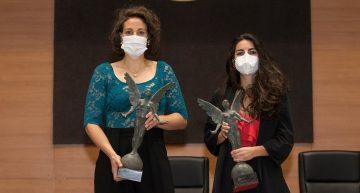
(246,183)
(244,177)
(246,187)
(129,174)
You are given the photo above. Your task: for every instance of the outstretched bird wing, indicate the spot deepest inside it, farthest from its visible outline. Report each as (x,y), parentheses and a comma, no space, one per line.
(211,110)
(134,93)
(155,99)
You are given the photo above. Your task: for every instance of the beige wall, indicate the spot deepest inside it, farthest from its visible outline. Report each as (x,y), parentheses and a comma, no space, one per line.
(30,163)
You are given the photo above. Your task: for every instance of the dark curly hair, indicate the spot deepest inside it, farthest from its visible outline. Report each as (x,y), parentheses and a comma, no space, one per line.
(152,23)
(269,84)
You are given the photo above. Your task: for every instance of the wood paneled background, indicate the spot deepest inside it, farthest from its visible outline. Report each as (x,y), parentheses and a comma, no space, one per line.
(30,163)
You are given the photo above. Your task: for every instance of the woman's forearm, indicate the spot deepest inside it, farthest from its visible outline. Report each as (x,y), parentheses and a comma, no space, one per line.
(261,151)
(99,138)
(173,121)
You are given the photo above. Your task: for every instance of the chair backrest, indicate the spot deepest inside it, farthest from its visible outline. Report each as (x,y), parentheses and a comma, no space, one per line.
(190,174)
(329,171)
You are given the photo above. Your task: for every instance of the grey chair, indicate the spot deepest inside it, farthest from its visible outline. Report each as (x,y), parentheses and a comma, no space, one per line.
(190,174)
(329,172)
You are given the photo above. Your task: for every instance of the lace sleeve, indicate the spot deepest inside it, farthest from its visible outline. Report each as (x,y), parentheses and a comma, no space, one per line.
(174,99)
(95,99)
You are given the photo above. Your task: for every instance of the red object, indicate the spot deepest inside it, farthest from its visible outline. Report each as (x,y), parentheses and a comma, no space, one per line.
(248,131)
(247,187)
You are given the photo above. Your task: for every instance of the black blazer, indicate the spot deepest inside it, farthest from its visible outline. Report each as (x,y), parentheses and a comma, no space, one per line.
(275,134)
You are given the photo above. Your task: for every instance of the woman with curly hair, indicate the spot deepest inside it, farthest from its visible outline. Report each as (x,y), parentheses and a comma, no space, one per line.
(135,38)
(267,139)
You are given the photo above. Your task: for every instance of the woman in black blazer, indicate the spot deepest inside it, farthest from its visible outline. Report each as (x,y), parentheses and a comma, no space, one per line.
(268,139)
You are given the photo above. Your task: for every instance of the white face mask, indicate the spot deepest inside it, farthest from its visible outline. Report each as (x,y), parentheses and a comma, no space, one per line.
(247,64)
(134,45)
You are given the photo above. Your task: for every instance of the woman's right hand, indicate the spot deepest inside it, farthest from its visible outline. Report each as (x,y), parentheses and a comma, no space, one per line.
(115,165)
(223,134)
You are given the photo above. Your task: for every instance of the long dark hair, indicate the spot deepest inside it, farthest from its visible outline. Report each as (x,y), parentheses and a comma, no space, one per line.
(152,23)
(269,85)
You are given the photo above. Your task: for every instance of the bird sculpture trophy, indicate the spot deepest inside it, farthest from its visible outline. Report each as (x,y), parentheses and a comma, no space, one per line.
(243,175)
(132,163)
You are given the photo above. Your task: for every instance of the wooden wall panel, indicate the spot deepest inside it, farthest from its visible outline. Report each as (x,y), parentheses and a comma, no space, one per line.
(26,158)
(79,185)
(74,161)
(336,74)
(26,185)
(30,163)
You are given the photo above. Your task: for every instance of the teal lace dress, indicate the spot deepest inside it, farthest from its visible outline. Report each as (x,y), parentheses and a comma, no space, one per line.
(106,99)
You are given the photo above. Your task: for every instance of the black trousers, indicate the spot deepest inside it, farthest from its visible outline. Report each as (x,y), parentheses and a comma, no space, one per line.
(156,176)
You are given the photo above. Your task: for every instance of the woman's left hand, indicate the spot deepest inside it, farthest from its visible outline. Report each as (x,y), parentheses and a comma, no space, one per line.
(244,153)
(151,121)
